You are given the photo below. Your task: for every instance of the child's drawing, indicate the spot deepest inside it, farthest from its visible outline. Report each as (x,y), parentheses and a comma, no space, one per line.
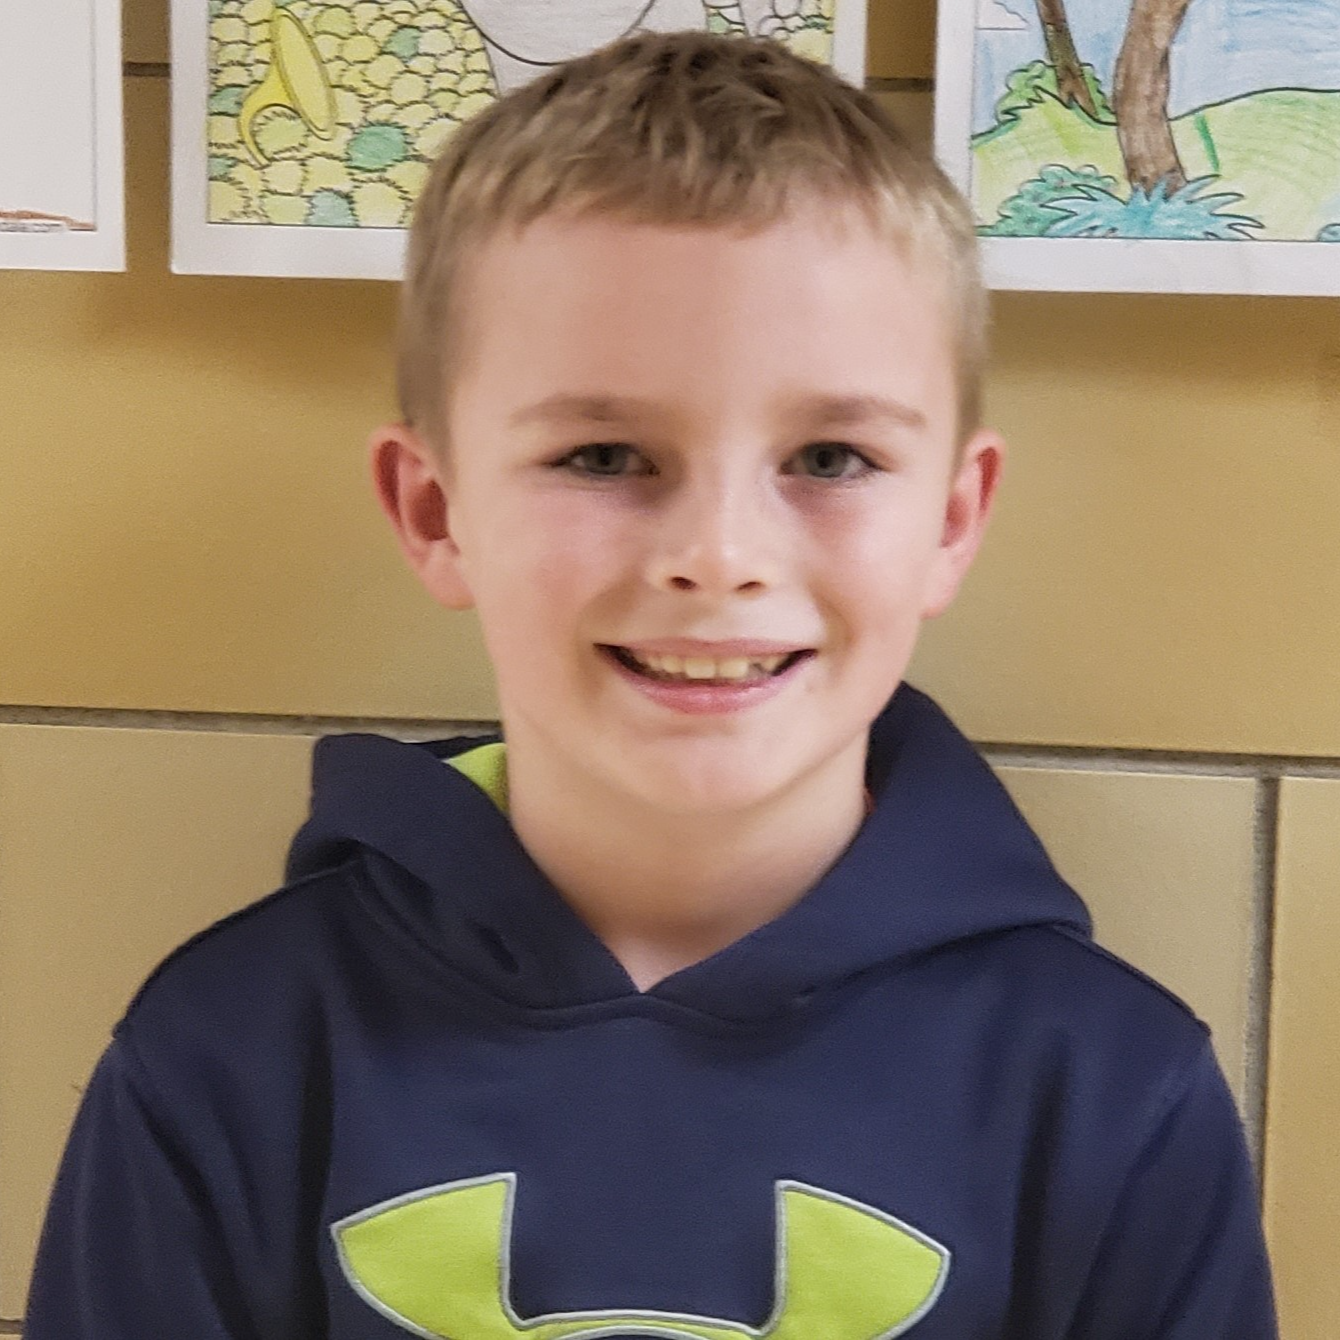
(60,150)
(1165,121)
(326,113)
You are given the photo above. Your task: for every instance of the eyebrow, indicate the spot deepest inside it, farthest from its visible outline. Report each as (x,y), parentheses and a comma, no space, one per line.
(822,411)
(564,408)
(847,411)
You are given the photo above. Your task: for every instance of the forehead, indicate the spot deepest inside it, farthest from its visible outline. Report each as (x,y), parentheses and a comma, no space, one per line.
(701,317)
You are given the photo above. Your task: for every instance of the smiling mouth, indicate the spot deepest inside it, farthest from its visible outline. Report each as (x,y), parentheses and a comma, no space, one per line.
(705,670)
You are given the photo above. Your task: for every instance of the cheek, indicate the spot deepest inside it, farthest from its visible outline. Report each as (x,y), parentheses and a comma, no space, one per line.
(882,548)
(874,576)
(543,564)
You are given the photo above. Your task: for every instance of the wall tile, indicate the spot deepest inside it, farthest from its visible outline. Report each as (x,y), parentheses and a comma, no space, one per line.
(1302,1172)
(187,520)
(1165,557)
(913,114)
(900,39)
(118,844)
(1165,863)
(1169,501)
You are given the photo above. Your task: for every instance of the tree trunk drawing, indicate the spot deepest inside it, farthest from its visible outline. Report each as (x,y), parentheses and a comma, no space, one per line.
(1140,95)
(1071,86)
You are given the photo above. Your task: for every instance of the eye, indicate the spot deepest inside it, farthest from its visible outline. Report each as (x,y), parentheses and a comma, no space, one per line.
(829,460)
(606,460)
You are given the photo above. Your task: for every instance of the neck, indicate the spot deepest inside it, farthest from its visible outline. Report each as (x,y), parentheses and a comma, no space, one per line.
(666,890)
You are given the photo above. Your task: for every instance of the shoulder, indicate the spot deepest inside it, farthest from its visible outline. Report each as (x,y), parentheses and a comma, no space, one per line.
(1094,975)
(257,965)
(1072,977)
(1095,1023)
(1047,1003)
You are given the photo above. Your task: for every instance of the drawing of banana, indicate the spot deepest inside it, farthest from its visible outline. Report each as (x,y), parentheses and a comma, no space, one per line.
(296,79)
(326,113)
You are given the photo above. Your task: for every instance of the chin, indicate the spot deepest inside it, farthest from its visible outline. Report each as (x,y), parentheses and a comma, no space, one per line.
(704,791)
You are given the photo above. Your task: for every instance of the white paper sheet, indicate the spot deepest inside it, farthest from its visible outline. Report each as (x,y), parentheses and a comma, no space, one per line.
(1253,106)
(302,129)
(61,176)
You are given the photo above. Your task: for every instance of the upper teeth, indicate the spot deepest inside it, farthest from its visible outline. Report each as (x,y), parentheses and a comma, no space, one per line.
(700,667)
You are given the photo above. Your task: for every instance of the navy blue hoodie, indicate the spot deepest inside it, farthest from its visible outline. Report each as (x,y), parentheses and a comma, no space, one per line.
(411,1093)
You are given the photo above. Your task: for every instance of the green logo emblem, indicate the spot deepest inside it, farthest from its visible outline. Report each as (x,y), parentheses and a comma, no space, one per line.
(437,1263)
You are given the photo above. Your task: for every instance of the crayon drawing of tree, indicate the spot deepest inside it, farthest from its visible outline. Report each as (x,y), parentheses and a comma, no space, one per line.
(1140,95)
(1071,86)
(1215,122)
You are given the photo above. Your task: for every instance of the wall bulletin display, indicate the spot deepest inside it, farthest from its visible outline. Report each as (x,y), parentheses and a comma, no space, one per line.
(1147,145)
(61,174)
(302,129)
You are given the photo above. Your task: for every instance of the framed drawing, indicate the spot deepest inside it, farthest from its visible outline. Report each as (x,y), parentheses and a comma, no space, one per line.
(61,174)
(1146,145)
(302,129)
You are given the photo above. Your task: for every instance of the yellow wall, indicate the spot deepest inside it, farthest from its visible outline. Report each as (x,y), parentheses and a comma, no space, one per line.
(191,568)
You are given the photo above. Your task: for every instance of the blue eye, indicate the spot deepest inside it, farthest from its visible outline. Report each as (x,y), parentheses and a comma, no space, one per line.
(606,460)
(830,460)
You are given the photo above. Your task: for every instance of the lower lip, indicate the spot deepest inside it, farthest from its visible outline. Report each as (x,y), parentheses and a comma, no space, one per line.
(698,699)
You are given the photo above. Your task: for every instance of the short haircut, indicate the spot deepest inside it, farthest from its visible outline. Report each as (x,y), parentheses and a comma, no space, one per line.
(681,129)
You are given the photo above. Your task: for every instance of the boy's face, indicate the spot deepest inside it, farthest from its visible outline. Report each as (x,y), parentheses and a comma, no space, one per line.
(695,444)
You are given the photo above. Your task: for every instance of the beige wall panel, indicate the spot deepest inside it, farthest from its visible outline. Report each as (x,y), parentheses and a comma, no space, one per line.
(1165,565)
(1302,1182)
(913,114)
(118,844)
(900,39)
(186,520)
(145,30)
(1165,863)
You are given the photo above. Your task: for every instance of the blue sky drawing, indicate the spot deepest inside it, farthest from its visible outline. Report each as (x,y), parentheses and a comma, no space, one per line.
(1225,48)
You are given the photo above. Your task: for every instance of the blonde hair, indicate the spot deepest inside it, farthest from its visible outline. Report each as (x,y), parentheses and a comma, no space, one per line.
(686,129)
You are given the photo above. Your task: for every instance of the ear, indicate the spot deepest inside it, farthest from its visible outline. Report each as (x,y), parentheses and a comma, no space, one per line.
(410,483)
(967,510)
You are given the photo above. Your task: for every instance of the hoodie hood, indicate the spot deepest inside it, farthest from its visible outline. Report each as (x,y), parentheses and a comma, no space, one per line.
(943,857)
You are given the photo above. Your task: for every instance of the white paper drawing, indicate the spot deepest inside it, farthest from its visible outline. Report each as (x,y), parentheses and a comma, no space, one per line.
(303,129)
(61,181)
(1152,145)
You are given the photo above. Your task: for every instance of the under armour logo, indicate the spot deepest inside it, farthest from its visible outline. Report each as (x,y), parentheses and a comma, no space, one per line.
(437,1263)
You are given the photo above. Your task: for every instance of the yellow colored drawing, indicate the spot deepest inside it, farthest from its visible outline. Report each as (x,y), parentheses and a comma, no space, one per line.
(326,113)
(296,79)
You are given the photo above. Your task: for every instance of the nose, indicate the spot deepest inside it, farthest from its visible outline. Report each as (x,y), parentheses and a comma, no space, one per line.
(716,537)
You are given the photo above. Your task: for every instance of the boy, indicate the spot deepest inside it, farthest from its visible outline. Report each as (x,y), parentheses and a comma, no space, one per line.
(702,1007)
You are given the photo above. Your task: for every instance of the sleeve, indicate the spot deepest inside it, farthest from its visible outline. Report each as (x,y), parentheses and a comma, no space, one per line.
(1184,1257)
(130,1248)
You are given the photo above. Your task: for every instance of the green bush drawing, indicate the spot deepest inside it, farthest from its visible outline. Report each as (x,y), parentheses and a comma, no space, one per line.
(1029,213)
(1029,84)
(1184,215)
(1271,156)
